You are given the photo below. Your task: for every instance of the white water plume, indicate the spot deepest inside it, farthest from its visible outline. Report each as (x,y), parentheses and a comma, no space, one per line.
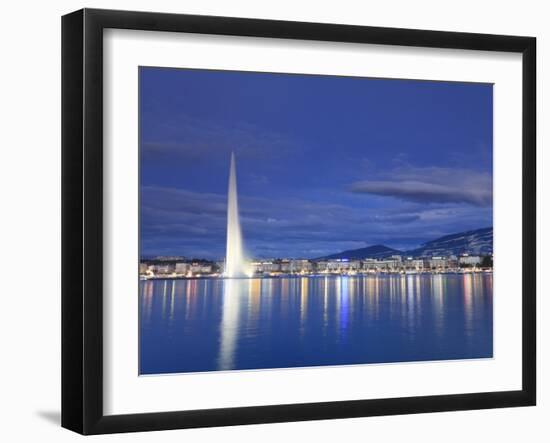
(235,261)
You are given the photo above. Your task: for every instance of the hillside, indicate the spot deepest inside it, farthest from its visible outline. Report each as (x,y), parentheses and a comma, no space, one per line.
(478,241)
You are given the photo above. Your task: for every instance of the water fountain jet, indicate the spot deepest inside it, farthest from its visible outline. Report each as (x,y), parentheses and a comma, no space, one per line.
(235,261)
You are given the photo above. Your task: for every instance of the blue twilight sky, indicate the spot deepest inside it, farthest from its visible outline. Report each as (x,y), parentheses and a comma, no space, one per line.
(324,164)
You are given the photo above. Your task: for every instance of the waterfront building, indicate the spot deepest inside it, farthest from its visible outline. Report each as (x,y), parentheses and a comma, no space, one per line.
(195,268)
(163,269)
(273,267)
(470,260)
(285,266)
(384,265)
(415,264)
(300,265)
(265,266)
(321,266)
(220,265)
(337,265)
(438,263)
(182,268)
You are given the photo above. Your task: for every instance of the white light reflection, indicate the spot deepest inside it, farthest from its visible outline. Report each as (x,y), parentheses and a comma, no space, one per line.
(468,305)
(439,313)
(229,326)
(304,288)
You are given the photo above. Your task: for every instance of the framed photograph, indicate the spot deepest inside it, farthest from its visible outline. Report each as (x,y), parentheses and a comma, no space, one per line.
(269,221)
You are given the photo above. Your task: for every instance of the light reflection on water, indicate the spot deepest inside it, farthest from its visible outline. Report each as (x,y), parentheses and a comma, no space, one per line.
(216,324)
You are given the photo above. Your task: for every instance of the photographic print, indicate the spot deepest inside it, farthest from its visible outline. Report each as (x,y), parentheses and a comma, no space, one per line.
(292,220)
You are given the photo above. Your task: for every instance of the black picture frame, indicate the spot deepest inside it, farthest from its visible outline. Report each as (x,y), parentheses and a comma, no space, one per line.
(82,221)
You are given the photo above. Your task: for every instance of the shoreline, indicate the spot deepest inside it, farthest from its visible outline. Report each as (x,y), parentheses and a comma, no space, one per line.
(332,275)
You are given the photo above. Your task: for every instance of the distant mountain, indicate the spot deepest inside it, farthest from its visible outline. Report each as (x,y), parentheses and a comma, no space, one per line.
(478,241)
(376,251)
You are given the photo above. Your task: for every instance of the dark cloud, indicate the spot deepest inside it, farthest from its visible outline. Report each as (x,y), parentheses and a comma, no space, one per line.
(432,185)
(424,192)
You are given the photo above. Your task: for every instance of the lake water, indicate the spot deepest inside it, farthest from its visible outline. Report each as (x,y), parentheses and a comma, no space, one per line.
(215,324)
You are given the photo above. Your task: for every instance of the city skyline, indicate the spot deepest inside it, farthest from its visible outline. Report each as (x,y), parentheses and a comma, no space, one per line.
(320,167)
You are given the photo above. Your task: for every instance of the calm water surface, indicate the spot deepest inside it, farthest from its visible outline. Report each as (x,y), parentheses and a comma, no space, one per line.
(214,324)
